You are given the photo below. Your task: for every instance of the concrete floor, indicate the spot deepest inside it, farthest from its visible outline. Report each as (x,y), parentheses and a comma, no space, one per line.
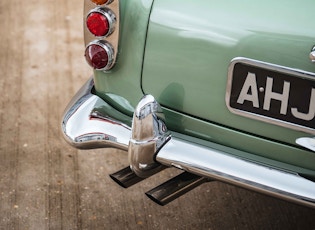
(45,184)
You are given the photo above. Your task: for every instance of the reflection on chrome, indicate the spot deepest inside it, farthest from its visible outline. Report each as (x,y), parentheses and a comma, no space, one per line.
(89,122)
(86,124)
(100,115)
(312,55)
(306,142)
(94,137)
(149,133)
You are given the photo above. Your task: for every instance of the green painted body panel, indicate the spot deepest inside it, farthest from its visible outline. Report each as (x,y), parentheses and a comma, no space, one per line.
(188,52)
(182,57)
(121,85)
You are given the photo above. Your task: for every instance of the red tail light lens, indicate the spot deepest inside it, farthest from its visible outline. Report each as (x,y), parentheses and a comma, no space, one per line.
(101,2)
(100,22)
(97,24)
(99,55)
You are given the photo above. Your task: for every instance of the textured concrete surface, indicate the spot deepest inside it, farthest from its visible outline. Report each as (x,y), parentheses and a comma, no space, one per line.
(45,184)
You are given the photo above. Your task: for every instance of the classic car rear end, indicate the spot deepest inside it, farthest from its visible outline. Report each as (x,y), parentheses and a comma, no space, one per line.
(229,93)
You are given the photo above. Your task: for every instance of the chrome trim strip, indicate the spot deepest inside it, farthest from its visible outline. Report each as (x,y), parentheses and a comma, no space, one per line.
(272,67)
(312,55)
(306,142)
(89,122)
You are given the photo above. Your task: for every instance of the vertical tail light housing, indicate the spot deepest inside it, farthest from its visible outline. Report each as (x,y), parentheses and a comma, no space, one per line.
(101,33)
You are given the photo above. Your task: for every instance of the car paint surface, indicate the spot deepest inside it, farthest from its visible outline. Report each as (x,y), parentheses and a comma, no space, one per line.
(121,86)
(186,57)
(188,53)
(189,49)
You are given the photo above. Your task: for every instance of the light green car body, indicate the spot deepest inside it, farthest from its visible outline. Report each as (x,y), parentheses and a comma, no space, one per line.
(180,51)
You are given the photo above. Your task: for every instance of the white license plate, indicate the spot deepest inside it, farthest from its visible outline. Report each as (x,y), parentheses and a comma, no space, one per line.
(272,93)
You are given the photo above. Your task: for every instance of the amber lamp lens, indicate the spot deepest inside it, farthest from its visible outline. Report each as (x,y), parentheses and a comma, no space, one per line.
(97,24)
(100,2)
(96,56)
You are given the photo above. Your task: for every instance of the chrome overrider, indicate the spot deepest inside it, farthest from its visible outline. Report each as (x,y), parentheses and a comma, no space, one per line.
(90,122)
(149,134)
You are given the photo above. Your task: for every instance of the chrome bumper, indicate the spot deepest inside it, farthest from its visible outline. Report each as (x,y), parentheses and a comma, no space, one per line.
(89,122)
